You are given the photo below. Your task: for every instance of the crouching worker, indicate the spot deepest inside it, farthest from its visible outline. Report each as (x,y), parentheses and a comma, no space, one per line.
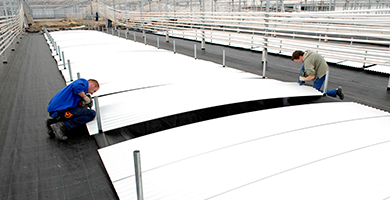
(70,107)
(314,69)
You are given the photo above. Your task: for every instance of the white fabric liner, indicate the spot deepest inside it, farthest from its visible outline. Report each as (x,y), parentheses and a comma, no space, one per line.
(119,64)
(152,103)
(316,151)
(188,84)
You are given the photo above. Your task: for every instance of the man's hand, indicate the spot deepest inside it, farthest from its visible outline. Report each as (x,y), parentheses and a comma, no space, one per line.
(301,78)
(86,102)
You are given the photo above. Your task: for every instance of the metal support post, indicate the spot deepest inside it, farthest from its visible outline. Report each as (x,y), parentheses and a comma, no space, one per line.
(365,58)
(97,110)
(145,39)
(158,43)
(195,51)
(388,85)
(264,60)
(63,60)
(126,35)
(326,83)
(174,47)
(167,37)
(78,75)
(203,44)
(223,58)
(59,54)
(138,174)
(70,71)
(135,39)
(4,56)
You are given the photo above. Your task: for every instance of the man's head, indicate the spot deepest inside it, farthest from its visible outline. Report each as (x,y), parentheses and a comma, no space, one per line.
(93,86)
(297,56)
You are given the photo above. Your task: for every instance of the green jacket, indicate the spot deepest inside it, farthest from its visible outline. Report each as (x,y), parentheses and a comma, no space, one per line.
(315,65)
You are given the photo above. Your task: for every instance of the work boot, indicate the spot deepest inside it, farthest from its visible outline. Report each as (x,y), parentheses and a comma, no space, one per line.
(59,129)
(49,130)
(340,93)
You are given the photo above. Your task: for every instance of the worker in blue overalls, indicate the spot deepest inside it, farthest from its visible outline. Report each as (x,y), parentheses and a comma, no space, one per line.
(70,107)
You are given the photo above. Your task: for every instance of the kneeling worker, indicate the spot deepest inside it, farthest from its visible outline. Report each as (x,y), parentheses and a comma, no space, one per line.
(70,107)
(314,68)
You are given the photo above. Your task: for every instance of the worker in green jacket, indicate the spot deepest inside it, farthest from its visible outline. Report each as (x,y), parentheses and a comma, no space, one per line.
(314,68)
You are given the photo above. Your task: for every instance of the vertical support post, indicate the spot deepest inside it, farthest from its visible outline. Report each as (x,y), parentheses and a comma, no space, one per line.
(126,35)
(280,47)
(70,71)
(195,51)
(63,60)
(265,52)
(59,55)
(167,37)
(388,85)
(55,47)
(174,46)
(4,56)
(223,58)
(203,44)
(158,43)
(252,42)
(98,118)
(135,39)
(78,75)
(145,39)
(112,31)
(365,58)
(326,83)
(138,174)
(13,46)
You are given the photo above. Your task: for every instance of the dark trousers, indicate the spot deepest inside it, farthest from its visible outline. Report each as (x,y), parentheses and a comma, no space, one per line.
(318,84)
(75,117)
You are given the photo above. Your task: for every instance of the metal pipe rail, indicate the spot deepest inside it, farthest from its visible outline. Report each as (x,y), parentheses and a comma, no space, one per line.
(11,27)
(348,31)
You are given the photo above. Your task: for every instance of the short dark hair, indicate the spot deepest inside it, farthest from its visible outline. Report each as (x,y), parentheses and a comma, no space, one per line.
(94,81)
(296,55)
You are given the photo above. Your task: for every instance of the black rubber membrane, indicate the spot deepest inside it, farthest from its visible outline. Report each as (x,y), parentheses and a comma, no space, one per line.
(140,129)
(33,165)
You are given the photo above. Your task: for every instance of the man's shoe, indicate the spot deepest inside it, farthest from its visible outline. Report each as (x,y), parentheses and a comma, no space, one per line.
(59,130)
(340,93)
(49,130)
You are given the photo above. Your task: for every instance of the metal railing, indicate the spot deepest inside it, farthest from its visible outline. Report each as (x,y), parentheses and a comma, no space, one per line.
(361,36)
(11,26)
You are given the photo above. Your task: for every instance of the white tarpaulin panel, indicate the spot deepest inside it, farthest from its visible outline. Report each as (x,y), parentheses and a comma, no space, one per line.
(315,151)
(119,64)
(152,103)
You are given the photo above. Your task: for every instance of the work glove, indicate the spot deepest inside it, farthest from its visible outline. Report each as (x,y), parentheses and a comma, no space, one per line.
(87,98)
(86,102)
(301,78)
